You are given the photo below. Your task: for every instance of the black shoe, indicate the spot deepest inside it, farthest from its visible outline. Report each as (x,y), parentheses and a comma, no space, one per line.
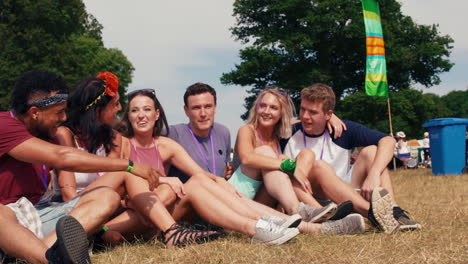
(183,236)
(71,245)
(406,224)
(343,209)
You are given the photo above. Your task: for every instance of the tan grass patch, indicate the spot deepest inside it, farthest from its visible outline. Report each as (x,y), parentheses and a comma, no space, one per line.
(439,203)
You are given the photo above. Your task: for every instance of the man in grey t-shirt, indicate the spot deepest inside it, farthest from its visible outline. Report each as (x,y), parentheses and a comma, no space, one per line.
(207,142)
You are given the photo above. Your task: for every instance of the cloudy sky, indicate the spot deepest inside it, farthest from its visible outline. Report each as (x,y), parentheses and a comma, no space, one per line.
(173,44)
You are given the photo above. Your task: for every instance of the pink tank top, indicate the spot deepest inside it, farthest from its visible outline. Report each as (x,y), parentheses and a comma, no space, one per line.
(149,156)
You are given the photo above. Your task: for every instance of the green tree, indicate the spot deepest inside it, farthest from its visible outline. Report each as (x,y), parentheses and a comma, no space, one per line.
(58,36)
(410,109)
(88,57)
(457,103)
(294,43)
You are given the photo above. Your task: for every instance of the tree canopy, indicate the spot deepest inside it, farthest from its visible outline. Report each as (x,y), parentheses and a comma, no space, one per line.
(295,43)
(410,109)
(53,35)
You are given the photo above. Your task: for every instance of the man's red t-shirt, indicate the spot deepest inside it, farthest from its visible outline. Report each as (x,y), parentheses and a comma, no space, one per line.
(17,178)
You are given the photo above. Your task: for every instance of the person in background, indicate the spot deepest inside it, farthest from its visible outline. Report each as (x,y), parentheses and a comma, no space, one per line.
(426,148)
(403,151)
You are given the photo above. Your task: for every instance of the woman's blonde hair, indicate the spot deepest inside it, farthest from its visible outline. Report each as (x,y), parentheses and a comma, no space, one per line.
(283,128)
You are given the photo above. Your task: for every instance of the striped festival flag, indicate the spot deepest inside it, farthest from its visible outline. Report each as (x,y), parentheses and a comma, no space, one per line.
(376,69)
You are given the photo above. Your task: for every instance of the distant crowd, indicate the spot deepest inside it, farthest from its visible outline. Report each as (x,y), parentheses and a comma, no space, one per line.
(72,171)
(421,158)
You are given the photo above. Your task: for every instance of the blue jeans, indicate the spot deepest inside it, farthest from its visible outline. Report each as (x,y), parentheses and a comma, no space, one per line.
(51,212)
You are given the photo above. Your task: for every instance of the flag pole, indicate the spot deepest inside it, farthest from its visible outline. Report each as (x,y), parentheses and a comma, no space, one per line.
(391,127)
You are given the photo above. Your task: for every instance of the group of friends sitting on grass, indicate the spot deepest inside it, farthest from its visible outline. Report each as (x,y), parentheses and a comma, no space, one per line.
(113,179)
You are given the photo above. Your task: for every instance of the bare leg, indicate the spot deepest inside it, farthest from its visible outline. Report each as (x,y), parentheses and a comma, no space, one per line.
(213,210)
(131,223)
(305,162)
(326,184)
(362,166)
(278,184)
(242,205)
(92,210)
(265,198)
(128,224)
(144,201)
(18,241)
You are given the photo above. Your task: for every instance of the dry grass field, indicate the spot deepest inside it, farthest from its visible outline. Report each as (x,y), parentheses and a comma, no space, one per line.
(439,203)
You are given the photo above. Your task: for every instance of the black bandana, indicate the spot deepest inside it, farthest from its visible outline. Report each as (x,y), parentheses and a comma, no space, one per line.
(50,101)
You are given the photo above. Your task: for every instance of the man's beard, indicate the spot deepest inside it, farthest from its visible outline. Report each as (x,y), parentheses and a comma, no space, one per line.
(43,133)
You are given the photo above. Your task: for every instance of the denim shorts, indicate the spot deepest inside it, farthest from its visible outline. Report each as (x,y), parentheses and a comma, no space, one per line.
(244,184)
(51,212)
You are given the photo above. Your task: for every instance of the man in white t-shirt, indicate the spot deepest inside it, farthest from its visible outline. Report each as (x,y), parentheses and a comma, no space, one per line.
(368,174)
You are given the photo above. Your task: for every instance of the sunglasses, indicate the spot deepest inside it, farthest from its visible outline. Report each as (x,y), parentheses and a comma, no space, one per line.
(281,91)
(141,91)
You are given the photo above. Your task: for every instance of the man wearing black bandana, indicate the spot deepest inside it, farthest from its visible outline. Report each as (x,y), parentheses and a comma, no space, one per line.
(28,220)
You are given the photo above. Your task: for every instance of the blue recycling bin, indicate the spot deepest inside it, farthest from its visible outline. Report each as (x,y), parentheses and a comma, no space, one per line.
(447,139)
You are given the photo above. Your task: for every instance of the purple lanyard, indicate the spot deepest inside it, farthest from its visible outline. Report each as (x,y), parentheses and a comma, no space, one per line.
(263,143)
(323,144)
(202,153)
(44,168)
(44,176)
(155,147)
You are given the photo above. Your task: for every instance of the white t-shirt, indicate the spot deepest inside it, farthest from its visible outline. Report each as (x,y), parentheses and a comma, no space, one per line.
(336,152)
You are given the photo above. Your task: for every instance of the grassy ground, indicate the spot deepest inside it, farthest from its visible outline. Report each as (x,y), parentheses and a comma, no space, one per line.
(439,203)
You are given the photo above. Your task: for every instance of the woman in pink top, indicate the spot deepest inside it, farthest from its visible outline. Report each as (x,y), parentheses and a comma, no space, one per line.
(94,104)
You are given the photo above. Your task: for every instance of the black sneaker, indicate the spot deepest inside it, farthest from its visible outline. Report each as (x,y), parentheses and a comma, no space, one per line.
(343,210)
(406,224)
(71,245)
(380,213)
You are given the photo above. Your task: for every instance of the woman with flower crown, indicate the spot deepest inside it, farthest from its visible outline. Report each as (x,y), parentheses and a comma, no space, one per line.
(93,106)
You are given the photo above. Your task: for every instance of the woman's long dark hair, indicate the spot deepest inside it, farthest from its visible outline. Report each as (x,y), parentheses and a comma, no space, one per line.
(84,122)
(125,127)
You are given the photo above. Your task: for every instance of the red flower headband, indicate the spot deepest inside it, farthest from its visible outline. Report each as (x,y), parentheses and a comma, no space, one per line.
(111,86)
(111,82)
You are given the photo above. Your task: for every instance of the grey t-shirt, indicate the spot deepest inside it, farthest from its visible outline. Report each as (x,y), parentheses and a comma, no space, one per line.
(221,144)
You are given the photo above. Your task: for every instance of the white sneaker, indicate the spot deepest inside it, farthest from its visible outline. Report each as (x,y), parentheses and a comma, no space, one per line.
(289,222)
(316,215)
(351,224)
(269,233)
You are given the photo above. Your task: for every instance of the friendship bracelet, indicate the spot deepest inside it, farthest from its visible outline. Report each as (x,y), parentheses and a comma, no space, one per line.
(288,166)
(102,231)
(130,165)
